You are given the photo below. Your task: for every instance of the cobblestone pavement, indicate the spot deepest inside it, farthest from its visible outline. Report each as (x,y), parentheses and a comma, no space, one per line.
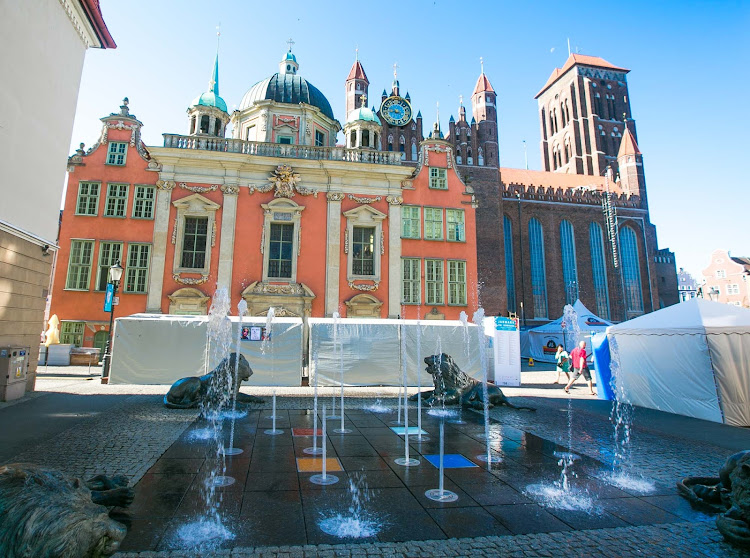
(138,429)
(677,539)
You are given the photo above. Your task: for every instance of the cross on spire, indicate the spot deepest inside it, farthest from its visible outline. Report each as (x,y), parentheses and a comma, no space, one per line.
(356,53)
(395,70)
(481,63)
(290,42)
(460,99)
(363,100)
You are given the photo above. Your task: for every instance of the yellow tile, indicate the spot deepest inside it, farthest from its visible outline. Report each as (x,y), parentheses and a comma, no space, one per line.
(315,464)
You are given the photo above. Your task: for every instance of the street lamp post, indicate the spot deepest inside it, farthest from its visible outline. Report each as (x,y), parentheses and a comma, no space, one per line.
(520,246)
(115,274)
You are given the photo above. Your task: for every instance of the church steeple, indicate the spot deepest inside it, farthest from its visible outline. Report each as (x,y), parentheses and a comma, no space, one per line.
(484,111)
(208,111)
(357,86)
(289,64)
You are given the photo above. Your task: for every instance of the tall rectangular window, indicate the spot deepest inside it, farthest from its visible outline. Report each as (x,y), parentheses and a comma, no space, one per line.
(454,220)
(438,179)
(143,202)
(410,221)
(194,243)
(136,273)
(569,268)
(117,152)
(434,281)
(320,138)
(109,253)
(71,333)
(538,269)
(79,265)
(410,281)
(281,250)
(599,269)
(510,277)
(457,282)
(88,198)
(363,251)
(433,223)
(117,200)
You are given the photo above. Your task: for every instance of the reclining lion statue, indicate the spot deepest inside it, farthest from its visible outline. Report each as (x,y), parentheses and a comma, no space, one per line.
(729,494)
(47,514)
(188,393)
(453,386)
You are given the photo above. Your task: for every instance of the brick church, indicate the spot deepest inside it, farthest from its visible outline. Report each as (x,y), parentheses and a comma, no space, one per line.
(391,223)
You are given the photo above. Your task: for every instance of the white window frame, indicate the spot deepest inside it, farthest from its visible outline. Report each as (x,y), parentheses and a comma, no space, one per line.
(364,216)
(135,249)
(88,195)
(428,282)
(425,211)
(117,186)
(87,241)
(194,205)
(66,336)
(404,219)
(462,231)
(438,178)
(144,188)
(276,211)
(102,267)
(414,281)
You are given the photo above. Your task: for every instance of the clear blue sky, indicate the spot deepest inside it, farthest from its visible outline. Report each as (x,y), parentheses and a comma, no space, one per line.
(688,82)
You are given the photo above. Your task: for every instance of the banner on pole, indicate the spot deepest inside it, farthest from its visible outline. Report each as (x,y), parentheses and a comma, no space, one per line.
(108,297)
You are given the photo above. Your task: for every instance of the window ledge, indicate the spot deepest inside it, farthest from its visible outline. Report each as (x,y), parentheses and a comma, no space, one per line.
(78,290)
(115,216)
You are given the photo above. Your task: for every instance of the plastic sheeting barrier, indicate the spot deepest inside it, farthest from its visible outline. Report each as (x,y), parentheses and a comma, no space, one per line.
(160,349)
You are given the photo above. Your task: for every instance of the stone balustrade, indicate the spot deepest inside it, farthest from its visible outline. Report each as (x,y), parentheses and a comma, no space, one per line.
(262,149)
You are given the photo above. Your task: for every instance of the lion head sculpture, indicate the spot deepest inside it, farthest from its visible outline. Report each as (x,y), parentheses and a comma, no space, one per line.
(446,375)
(46,514)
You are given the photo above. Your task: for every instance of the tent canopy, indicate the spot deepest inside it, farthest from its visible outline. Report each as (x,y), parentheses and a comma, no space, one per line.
(543,340)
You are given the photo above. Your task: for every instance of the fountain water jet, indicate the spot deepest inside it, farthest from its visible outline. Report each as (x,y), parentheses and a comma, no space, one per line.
(342,429)
(486,457)
(324,478)
(231,450)
(440,494)
(357,523)
(315,450)
(405,461)
(273,431)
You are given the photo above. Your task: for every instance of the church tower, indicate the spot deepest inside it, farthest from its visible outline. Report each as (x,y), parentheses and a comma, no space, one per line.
(208,112)
(630,166)
(583,109)
(356,87)
(484,122)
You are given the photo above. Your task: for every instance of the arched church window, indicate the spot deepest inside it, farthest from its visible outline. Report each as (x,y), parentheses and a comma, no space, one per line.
(562,115)
(569,268)
(469,158)
(599,269)
(402,147)
(510,278)
(413,149)
(390,142)
(480,157)
(544,123)
(538,269)
(631,270)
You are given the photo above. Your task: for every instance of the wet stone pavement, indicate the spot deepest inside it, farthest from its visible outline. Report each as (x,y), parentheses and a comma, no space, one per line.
(273,508)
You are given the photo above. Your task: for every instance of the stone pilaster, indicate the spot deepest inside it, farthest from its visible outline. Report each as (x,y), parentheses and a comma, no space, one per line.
(226,246)
(159,247)
(333,252)
(394,255)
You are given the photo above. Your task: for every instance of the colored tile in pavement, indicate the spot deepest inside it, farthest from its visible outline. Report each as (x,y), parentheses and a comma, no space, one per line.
(450,461)
(306,432)
(413,430)
(315,464)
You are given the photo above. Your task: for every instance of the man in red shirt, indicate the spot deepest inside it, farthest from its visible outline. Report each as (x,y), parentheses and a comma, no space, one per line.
(578,363)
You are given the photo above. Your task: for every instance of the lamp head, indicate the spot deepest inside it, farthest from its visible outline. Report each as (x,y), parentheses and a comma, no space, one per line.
(115,272)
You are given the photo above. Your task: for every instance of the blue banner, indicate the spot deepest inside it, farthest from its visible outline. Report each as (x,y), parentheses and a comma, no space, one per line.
(505,324)
(108,297)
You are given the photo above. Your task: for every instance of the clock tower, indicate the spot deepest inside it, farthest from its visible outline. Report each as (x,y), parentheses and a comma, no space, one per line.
(401,132)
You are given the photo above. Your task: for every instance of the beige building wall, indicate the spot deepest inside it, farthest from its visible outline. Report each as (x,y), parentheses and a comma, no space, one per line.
(726,281)
(24,281)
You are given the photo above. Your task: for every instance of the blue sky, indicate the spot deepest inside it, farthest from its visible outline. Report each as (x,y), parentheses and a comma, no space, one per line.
(688,81)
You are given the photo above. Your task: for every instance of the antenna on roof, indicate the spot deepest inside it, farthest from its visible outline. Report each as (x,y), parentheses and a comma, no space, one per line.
(356,53)
(525,155)
(568,47)
(481,63)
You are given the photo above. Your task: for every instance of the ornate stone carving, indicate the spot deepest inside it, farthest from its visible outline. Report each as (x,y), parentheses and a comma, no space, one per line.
(346,240)
(285,181)
(174,231)
(281,289)
(364,200)
(153,165)
(166,185)
(394,200)
(213,233)
(190,280)
(335,196)
(230,190)
(364,287)
(382,242)
(199,189)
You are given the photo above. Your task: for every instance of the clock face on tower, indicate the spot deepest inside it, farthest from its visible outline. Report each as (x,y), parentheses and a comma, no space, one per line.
(396,111)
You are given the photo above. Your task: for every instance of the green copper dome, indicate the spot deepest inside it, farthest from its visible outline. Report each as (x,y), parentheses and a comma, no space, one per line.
(365,114)
(211,97)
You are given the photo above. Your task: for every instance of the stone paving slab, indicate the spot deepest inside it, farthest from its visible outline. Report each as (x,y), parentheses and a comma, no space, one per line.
(677,539)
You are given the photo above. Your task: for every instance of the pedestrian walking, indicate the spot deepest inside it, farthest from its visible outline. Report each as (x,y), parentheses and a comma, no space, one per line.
(578,362)
(562,358)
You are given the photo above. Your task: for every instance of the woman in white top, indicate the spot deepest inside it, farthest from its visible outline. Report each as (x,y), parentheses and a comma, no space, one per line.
(563,363)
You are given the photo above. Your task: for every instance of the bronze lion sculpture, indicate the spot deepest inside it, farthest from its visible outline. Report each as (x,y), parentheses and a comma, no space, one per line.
(729,494)
(188,393)
(47,514)
(453,386)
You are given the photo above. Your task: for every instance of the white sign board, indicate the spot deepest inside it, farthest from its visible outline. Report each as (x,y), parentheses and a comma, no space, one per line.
(506,345)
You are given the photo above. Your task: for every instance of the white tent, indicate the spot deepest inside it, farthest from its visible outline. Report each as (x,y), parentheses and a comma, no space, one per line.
(543,340)
(692,358)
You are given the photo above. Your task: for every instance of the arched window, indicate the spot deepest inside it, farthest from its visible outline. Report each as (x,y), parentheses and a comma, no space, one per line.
(413,149)
(469,158)
(562,115)
(554,120)
(390,142)
(567,150)
(544,123)
(365,138)
(599,269)
(598,105)
(554,157)
(569,268)
(631,272)
(538,269)
(204,124)
(353,139)
(217,127)
(510,277)
(480,157)
(567,110)
(459,159)
(402,147)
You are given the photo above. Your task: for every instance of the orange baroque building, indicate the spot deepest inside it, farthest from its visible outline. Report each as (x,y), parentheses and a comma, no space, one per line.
(278,214)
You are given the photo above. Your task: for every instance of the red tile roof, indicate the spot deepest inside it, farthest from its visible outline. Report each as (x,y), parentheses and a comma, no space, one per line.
(94,15)
(523,177)
(628,146)
(582,60)
(357,72)
(483,84)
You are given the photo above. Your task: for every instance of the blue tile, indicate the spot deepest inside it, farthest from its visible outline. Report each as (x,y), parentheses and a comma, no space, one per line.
(450,461)
(413,430)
